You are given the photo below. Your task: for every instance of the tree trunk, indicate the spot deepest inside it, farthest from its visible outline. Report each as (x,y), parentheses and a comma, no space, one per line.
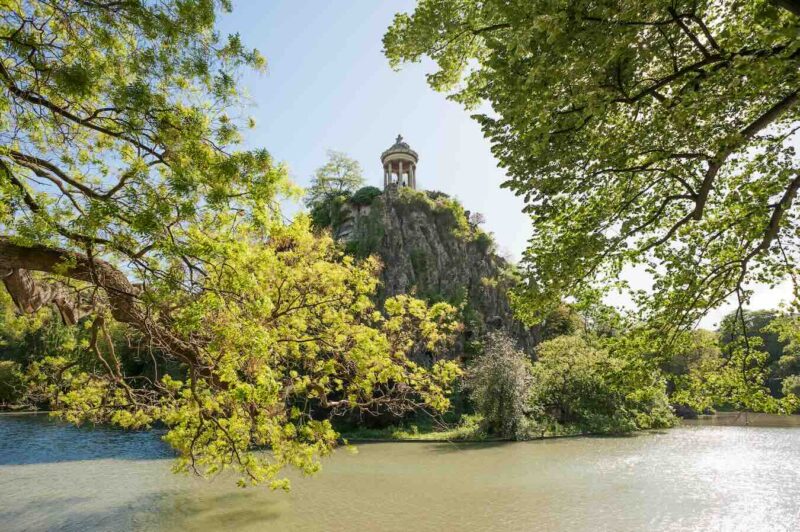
(16,263)
(30,294)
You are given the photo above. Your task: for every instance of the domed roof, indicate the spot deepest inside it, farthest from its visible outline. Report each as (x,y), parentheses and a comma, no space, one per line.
(400,147)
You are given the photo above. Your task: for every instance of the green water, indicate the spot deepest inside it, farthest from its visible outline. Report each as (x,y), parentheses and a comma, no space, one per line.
(703,476)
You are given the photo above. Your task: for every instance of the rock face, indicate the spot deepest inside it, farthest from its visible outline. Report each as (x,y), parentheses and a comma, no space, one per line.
(429,249)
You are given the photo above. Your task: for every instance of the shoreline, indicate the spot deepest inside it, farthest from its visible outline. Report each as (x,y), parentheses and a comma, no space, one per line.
(720,419)
(486,440)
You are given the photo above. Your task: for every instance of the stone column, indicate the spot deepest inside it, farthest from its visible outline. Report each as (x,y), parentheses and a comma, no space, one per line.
(385,175)
(413,180)
(400,173)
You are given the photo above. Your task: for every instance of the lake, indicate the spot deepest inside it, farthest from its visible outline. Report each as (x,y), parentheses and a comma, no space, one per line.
(706,475)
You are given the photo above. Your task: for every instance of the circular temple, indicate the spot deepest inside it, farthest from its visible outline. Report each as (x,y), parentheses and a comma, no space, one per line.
(400,165)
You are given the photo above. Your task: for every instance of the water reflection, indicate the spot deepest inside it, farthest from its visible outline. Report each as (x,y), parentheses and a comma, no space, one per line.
(744,419)
(35,439)
(698,477)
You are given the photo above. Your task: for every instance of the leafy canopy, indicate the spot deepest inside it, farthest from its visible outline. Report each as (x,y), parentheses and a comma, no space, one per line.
(289,336)
(341,175)
(598,386)
(127,203)
(658,134)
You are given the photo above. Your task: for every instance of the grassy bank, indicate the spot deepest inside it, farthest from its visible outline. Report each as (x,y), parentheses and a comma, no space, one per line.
(468,429)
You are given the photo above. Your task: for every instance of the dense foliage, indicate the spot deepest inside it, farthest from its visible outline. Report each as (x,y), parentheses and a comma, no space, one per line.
(127,204)
(757,330)
(791,385)
(499,385)
(597,389)
(365,196)
(340,176)
(11,382)
(787,329)
(732,370)
(727,370)
(655,133)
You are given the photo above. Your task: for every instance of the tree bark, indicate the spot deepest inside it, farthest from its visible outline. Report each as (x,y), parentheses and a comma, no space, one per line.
(30,294)
(16,263)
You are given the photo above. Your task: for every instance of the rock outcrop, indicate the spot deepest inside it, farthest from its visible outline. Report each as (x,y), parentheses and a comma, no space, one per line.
(430,249)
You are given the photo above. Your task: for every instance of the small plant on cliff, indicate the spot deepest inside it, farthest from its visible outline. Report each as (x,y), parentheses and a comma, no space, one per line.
(499,384)
(365,196)
(447,209)
(484,240)
(452,207)
(367,235)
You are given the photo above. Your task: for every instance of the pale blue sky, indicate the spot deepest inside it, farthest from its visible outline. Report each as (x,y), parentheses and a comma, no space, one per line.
(329,86)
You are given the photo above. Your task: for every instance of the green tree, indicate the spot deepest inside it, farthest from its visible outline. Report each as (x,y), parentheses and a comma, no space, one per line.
(499,385)
(727,369)
(761,334)
(365,195)
(787,329)
(596,388)
(791,385)
(28,338)
(700,347)
(126,201)
(654,133)
(341,175)
(757,323)
(561,321)
(11,382)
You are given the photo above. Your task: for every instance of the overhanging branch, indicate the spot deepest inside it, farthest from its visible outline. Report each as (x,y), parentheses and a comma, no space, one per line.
(20,260)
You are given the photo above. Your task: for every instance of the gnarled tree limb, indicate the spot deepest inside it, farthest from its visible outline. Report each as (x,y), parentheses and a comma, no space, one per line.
(29,295)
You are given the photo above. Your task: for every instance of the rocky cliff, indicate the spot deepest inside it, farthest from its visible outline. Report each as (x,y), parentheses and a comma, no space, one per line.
(430,249)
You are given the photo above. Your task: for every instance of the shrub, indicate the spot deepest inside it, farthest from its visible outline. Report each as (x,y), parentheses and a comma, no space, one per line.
(454,212)
(791,385)
(365,195)
(327,213)
(10,382)
(499,384)
(450,213)
(575,383)
(484,241)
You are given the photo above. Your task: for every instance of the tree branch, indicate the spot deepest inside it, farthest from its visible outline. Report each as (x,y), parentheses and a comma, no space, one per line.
(750,131)
(122,294)
(37,99)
